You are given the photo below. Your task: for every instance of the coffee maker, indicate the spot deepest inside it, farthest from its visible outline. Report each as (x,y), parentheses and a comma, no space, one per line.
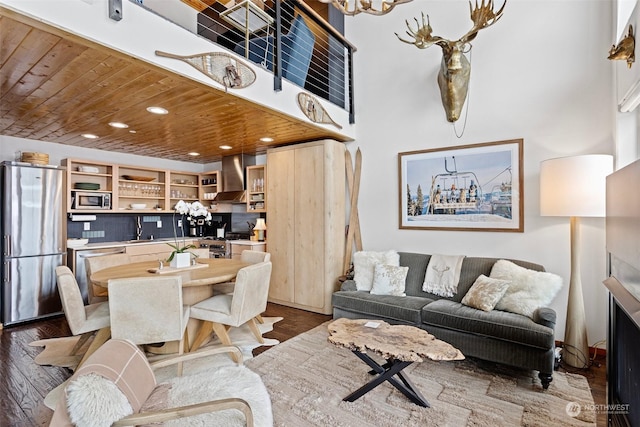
(196,227)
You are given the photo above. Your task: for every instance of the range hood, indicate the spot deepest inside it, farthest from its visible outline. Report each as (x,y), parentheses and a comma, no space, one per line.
(234,177)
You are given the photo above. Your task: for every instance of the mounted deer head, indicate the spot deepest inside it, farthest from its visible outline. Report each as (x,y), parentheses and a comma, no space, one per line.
(455,69)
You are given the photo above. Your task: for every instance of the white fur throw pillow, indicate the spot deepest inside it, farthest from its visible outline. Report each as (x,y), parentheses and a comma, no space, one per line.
(389,280)
(485,293)
(94,401)
(528,290)
(364,263)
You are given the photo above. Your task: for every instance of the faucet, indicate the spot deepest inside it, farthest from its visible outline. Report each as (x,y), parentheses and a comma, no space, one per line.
(138,228)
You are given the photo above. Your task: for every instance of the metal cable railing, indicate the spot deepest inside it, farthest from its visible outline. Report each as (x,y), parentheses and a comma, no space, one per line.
(288,38)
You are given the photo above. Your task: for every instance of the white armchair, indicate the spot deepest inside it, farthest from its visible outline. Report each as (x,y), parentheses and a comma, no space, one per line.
(117,387)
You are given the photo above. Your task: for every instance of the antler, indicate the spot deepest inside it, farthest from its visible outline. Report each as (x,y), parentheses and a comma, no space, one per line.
(482,17)
(422,34)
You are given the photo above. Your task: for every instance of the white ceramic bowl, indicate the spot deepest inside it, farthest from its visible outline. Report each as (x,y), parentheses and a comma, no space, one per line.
(138,206)
(74,243)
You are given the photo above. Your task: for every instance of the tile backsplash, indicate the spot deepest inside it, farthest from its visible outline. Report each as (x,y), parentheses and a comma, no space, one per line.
(120,227)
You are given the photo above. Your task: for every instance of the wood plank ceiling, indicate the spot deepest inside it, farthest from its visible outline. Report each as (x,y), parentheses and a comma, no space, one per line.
(56,86)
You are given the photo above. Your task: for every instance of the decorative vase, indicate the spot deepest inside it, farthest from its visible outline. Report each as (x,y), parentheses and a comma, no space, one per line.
(180,260)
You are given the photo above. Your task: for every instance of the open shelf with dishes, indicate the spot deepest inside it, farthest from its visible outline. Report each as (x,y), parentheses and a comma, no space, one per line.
(141,189)
(123,188)
(256,189)
(183,186)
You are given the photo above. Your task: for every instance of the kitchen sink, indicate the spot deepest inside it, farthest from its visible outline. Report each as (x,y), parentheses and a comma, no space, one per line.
(139,241)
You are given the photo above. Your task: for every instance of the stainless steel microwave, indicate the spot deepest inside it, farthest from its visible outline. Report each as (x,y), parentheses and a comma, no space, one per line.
(90,200)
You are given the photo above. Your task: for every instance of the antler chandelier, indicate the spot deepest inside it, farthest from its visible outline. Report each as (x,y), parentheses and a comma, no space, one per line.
(372,7)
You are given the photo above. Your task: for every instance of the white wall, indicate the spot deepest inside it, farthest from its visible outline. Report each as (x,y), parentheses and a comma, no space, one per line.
(541,73)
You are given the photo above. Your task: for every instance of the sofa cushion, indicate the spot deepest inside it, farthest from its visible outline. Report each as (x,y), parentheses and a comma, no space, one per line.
(402,309)
(389,280)
(364,263)
(485,293)
(495,324)
(472,268)
(528,290)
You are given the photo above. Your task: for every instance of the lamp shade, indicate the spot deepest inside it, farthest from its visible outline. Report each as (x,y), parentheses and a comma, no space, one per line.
(574,186)
(260,225)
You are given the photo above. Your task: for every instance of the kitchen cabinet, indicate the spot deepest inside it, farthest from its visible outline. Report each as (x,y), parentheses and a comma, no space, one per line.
(140,189)
(306,222)
(256,189)
(80,173)
(183,186)
(136,188)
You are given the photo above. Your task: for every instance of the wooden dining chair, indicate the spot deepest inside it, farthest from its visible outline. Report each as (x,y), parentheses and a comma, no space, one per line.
(248,300)
(148,310)
(96,263)
(83,320)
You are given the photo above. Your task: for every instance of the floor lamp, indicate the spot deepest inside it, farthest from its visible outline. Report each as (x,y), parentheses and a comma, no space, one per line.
(575,187)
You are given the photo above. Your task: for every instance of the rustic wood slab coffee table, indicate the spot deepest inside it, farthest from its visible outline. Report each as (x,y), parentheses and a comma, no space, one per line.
(399,345)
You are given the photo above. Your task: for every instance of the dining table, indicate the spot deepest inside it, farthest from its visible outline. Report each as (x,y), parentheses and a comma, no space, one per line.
(198,283)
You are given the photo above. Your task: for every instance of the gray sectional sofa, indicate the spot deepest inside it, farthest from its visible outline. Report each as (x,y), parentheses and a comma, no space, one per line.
(496,336)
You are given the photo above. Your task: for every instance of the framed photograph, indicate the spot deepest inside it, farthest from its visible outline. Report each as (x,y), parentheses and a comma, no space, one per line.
(470,187)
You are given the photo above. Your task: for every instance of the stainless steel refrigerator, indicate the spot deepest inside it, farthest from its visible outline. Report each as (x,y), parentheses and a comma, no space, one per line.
(33,240)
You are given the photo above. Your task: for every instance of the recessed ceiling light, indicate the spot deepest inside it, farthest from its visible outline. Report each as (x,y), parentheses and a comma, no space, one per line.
(266,139)
(132,131)
(118,125)
(90,136)
(226,147)
(157,110)
(194,154)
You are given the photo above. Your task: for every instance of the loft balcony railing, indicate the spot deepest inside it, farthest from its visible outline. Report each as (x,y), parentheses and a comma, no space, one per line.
(287,37)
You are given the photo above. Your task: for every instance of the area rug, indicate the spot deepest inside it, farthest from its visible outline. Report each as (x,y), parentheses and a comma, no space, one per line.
(307,377)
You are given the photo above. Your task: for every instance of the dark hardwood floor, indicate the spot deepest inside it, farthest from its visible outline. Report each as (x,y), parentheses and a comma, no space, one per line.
(25,384)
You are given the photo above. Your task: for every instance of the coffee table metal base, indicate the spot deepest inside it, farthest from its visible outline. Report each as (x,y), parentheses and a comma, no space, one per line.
(387,372)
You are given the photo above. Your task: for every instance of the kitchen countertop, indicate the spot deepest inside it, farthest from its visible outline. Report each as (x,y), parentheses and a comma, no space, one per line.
(106,245)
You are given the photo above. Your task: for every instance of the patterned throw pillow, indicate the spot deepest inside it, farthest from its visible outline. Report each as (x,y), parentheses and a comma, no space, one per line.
(364,263)
(389,280)
(485,293)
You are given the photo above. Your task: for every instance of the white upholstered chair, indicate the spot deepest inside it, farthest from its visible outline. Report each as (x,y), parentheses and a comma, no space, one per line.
(200,252)
(147,310)
(254,257)
(116,385)
(96,263)
(248,257)
(83,320)
(248,300)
